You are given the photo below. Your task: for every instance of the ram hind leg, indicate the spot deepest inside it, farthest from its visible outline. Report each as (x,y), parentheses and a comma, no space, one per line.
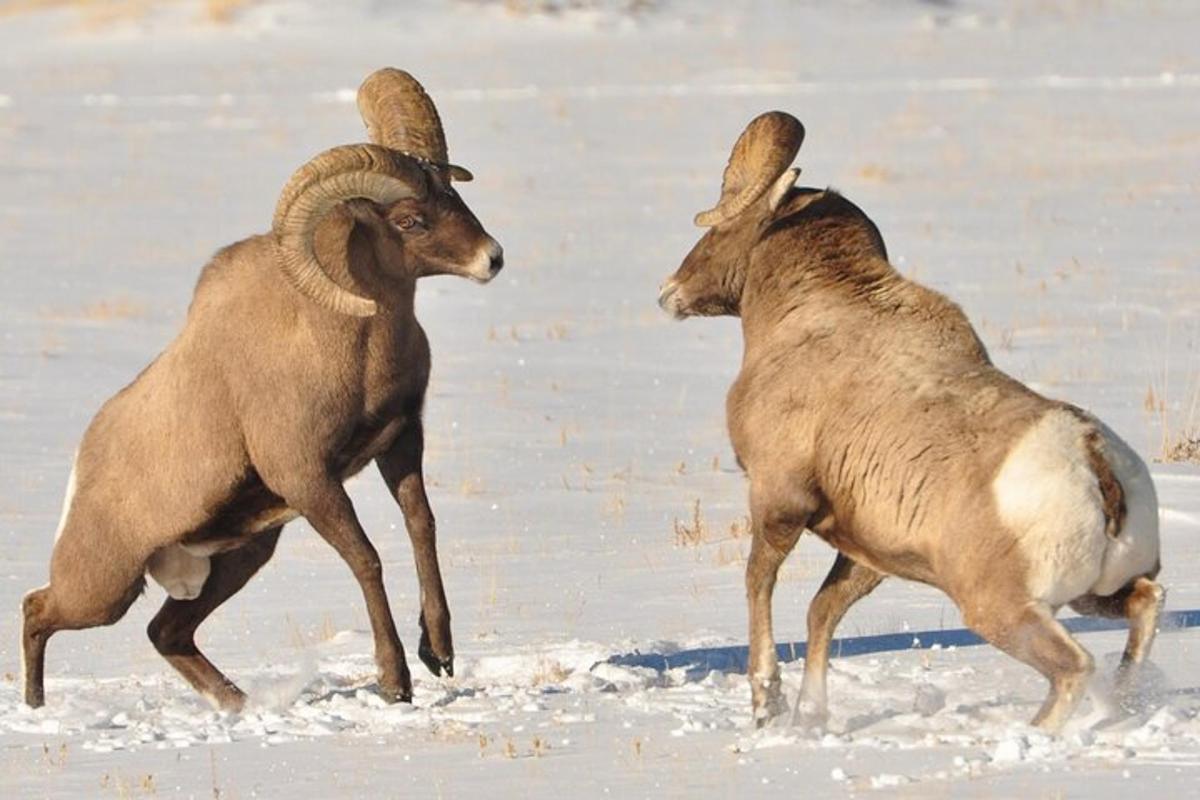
(846,584)
(173,629)
(1141,603)
(87,589)
(1030,633)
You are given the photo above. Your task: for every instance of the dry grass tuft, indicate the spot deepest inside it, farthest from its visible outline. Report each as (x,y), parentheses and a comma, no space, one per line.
(739,528)
(1180,429)
(693,534)
(1185,449)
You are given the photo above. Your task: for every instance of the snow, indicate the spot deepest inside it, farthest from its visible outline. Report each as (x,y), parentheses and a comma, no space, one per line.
(1037,161)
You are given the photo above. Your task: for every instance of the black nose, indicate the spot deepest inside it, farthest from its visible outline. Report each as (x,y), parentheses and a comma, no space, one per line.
(497,263)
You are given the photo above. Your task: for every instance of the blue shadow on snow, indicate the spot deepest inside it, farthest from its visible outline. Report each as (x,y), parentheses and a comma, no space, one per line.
(732,659)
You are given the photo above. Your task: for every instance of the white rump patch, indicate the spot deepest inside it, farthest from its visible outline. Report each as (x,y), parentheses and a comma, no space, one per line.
(1135,551)
(1048,496)
(67,499)
(178,571)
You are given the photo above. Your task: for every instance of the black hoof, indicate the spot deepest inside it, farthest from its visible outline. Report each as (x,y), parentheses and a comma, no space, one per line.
(436,665)
(432,661)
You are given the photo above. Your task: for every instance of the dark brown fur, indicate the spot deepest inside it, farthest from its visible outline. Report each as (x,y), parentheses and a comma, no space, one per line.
(1110,488)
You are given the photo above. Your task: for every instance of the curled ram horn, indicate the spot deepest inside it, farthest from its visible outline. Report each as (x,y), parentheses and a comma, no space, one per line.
(764,150)
(335,176)
(400,115)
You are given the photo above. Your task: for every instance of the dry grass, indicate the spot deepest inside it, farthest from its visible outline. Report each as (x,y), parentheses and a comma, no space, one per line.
(54,757)
(120,308)
(739,528)
(691,534)
(92,14)
(538,747)
(95,14)
(1185,449)
(1179,429)
(697,531)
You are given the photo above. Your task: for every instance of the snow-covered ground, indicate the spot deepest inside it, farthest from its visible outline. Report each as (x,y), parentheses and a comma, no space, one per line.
(1039,161)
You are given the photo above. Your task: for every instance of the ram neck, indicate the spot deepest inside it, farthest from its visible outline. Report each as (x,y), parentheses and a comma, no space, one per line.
(789,298)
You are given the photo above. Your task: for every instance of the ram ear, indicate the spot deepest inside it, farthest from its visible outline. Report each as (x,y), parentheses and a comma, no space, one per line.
(780,188)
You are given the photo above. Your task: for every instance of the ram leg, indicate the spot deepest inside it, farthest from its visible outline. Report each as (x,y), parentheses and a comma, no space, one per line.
(173,629)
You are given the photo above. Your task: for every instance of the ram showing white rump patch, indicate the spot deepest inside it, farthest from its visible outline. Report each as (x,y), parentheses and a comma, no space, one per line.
(180,572)
(925,460)
(1048,495)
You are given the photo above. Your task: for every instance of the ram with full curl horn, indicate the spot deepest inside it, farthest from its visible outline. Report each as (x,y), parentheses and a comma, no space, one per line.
(868,412)
(273,394)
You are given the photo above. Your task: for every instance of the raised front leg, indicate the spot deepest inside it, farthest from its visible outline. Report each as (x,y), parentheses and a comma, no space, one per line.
(401,470)
(328,509)
(774,536)
(847,583)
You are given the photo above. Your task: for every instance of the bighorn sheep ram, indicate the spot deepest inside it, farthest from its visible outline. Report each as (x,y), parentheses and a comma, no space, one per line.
(868,412)
(300,361)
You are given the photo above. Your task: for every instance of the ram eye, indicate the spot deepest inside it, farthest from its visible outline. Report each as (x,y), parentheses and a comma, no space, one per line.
(407,223)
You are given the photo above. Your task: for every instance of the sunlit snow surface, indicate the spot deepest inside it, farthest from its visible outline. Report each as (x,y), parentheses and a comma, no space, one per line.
(1037,161)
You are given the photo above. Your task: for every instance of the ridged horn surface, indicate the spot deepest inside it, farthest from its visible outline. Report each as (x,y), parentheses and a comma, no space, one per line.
(765,149)
(399,114)
(335,176)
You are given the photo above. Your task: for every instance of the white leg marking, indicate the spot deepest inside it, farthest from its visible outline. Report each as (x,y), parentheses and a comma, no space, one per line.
(67,499)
